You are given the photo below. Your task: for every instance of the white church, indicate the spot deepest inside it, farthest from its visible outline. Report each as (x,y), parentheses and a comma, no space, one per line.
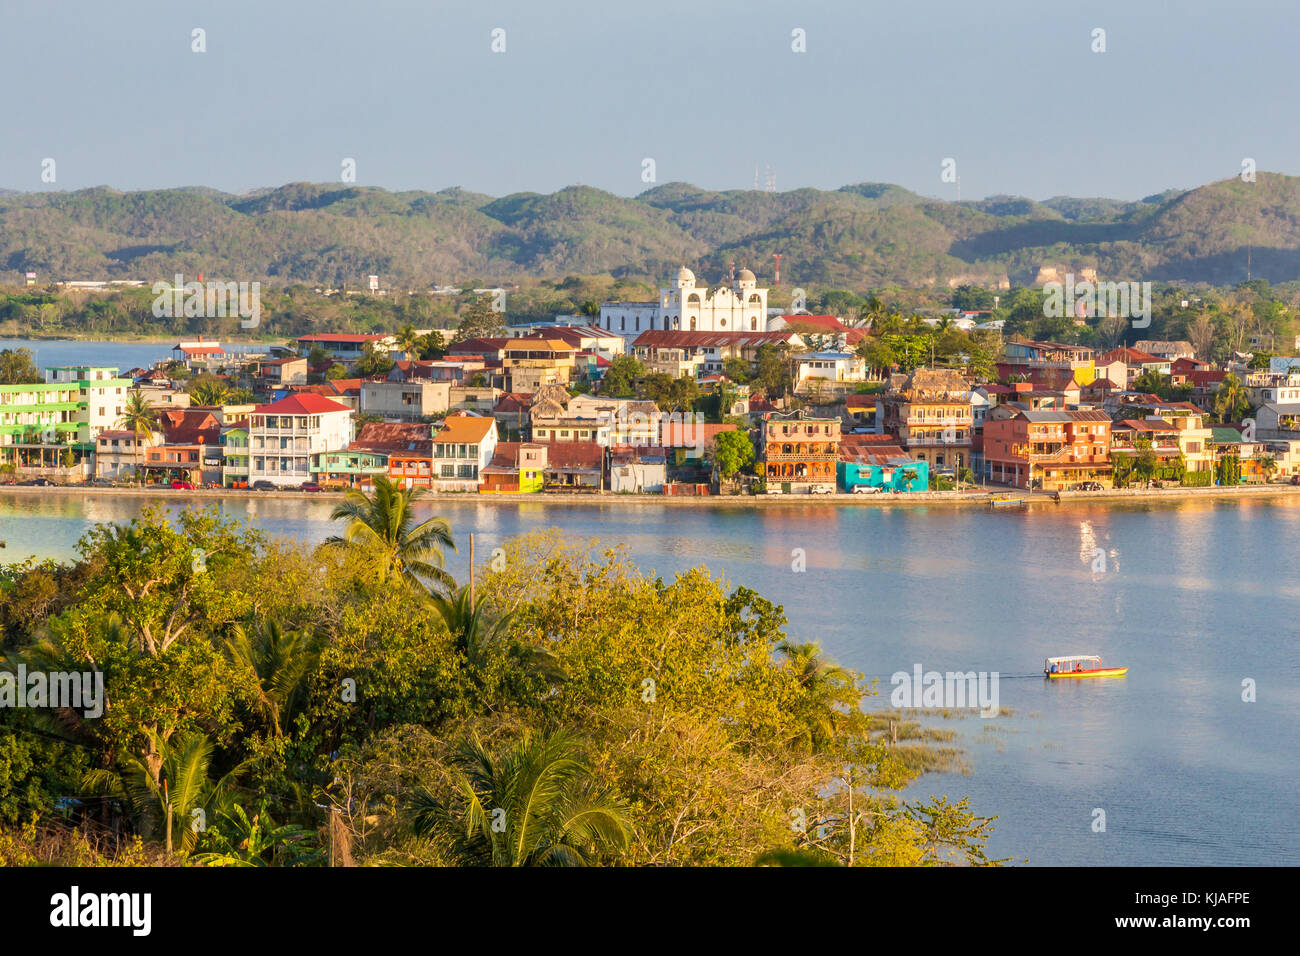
(686,306)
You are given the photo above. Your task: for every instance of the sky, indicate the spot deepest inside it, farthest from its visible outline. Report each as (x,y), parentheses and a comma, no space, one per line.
(585,91)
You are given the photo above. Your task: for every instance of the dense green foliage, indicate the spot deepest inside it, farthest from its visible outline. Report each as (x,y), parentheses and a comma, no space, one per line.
(272,704)
(18,367)
(867,235)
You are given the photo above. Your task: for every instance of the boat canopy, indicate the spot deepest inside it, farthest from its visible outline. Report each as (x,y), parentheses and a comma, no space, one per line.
(1067,660)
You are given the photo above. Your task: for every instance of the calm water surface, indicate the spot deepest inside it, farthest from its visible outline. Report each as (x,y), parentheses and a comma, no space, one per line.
(122,355)
(1197,597)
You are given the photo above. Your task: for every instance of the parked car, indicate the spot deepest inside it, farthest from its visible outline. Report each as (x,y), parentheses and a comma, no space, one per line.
(821,490)
(1295,479)
(311,486)
(38,482)
(263,486)
(98,482)
(179,485)
(1087,486)
(867,489)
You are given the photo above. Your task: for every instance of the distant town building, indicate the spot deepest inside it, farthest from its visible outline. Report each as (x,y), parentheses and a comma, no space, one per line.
(799,454)
(687,306)
(285,435)
(930,413)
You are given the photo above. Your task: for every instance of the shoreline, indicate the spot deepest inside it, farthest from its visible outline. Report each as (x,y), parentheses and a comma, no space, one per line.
(142,340)
(979,498)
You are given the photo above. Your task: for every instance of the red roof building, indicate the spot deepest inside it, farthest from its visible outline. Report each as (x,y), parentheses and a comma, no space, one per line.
(301,403)
(823,325)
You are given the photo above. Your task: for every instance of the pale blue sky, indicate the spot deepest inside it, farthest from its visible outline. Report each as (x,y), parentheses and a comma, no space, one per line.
(708,88)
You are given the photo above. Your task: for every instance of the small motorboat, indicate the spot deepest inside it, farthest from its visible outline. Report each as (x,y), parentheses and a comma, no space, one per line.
(1066,668)
(1006,501)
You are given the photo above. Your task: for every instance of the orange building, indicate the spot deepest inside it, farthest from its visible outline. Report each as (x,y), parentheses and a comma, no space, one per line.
(799,454)
(406,449)
(1048,449)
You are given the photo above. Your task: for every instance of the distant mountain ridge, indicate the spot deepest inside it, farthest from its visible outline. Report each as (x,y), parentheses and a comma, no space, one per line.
(860,236)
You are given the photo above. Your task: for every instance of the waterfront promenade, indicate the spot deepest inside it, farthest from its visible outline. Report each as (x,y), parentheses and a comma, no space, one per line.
(979,497)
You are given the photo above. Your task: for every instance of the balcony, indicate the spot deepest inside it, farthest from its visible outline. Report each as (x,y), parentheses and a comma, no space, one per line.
(937,441)
(1170,448)
(831,454)
(923,421)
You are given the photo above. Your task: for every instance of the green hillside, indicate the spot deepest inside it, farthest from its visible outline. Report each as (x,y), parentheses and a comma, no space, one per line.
(859,236)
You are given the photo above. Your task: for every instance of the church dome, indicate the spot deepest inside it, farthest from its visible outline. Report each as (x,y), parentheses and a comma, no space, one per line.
(686,276)
(745,276)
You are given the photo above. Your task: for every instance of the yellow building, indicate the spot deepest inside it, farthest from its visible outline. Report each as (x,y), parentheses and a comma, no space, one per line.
(932,417)
(534,362)
(1194,438)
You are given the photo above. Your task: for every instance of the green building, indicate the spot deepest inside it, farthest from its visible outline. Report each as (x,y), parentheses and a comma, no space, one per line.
(40,423)
(353,467)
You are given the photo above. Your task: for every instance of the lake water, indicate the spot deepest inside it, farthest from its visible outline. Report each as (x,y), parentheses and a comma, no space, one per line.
(122,355)
(1196,597)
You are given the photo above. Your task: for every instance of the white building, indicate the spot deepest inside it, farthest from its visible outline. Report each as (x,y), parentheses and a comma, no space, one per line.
(99,389)
(284,435)
(631,421)
(687,306)
(830,366)
(405,401)
(462,448)
(119,452)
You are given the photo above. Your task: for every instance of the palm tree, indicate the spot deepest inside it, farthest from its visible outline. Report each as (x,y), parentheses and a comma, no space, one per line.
(874,310)
(209,391)
(1230,400)
(259,841)
(408,341)
(1268,465)
(477,633)
(381,526)
(535,806)
(281,660)
(828,686)
(141,419)
(163,787)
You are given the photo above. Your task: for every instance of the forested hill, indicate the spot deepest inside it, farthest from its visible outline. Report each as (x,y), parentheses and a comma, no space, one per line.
(868,235)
